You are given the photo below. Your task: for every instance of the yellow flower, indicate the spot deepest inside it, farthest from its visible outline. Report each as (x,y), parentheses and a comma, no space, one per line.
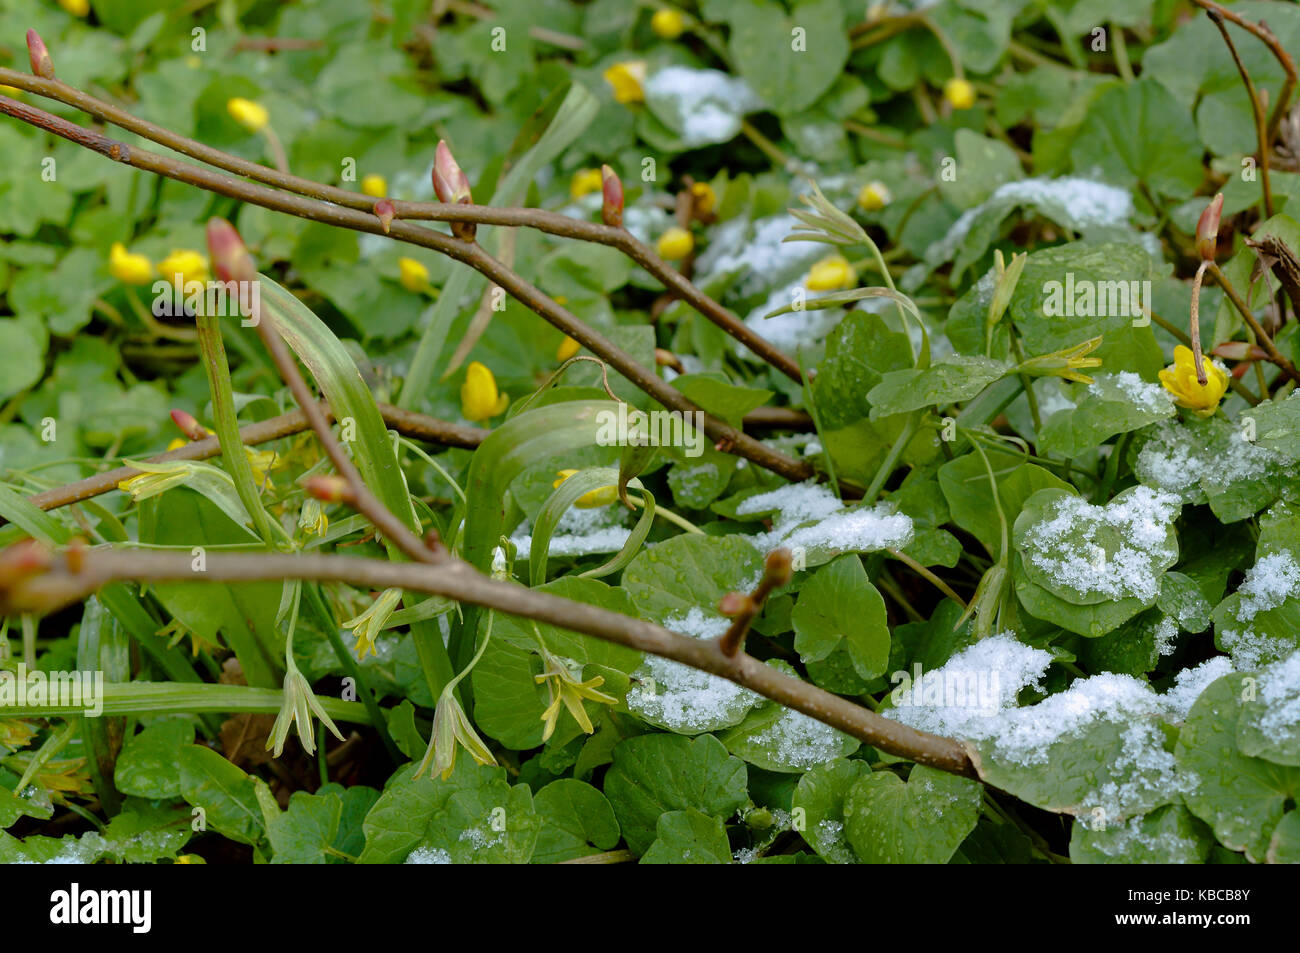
(567,690)
(675,244)
(451,730)
(1180,380)
(668,24)
(627,79)
(874,196)
(584,182)
(601,496)
(312,519)
(479,398)
(252,116)
(705,198)
(568,347)
(190,265)
(15,733)
(129,268)
(298,706)
(367,626)
(78,8)
(374,185)
(177,443)
(262,462)
(1065,363)
(832,273)
(959,92)
(156,478)
(412,274)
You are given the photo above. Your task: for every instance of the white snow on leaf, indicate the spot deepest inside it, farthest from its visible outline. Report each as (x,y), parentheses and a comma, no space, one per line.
(757,250)
(704,106)
(1065,546)
(1279,690)
(683,698)
(1185,460)
(809,515)
(428,855)
(798,741)
(1128,387)
(1273,580)
(580,532)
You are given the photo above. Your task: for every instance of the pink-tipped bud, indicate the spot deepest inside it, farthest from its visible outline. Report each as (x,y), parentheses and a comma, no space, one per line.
(187,425)
(778,566)
(611,206)
(329,489)
(24,558)
(1207,229)
(230,258)
(385,211)
(1240,351)
(451,185)
(42,65)
(734,604)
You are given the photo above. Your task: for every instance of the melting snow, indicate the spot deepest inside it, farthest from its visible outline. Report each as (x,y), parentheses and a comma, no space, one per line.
(829,524)
(1180,459)
(428,855)
(707,104)
(580,532)
(798,741)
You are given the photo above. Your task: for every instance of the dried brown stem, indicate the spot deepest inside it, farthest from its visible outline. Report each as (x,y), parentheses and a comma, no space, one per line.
(744,608)
(56,585)
(1269,39)
(724,435)
(1257,110)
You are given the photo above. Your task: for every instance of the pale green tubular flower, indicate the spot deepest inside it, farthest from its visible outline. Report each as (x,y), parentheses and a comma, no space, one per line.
(367,626)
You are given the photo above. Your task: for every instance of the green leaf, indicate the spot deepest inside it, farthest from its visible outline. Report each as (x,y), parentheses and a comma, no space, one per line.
(839,606)
(688,837)
(719,397)
(689,571)
(1168,835)
(920,821)
(576,821)
(655,774)
(957,377)
(227,795)
(776,738)
(1112,404)
(411,806)
(303,832)
(965,485)
(820,796)
(763,49)
(149,765)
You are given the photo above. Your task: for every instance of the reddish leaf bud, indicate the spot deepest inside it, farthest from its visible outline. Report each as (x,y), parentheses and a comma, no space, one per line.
(329,489)
(187,425)
(385,211)
(451,185)
(778,566)
(42,65)
(1207,229)
(734,604)
(230,258)
(611,207)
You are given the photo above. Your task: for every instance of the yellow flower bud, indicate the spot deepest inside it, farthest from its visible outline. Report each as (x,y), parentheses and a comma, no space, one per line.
(568,347)
(601,496)
(190,265)
(675,244)
(252,116)
(668,24)
(959,92)
(375,185)
(584,182)
(874,196)
(479,398)
(627,80)
(129,268)
(705,198)
(412,274)
(832,273)
(1179,379)
(78,8)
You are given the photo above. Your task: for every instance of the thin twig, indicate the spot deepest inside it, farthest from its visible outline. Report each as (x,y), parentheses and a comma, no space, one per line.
(744,608)
(1269,39)
(1261,336)
(1257,110)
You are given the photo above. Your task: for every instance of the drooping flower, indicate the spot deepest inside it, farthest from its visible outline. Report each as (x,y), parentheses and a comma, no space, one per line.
(1179,378)
(479,397)
(367,626)
(832,273)
(156,478)
(252,116)
(601,496)
(128,267)
(627,79)
(374,185)
(566,689)
(959,93)
(451,730)
(412,274)
(299,704)
(675,244)
(874,196)
(1065,363)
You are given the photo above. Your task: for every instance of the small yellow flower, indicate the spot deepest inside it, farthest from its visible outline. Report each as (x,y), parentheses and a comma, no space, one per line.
(479,398)
(566,689)
(706,200)
(627,80)
(601,496)
(367,626)
(1065,363)
(15,733)
(568,347)
(262,462)
(175,630)
(668,24)
(252,116)
(412,274)
(832,273)
(959,92)
(874,196)
(177,443)
(451,731)
(156,478)
(374,185)
(584,182)
(675,244)
(1180,380)
(78,8)
(127,267)
(190,265)
(312,519)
